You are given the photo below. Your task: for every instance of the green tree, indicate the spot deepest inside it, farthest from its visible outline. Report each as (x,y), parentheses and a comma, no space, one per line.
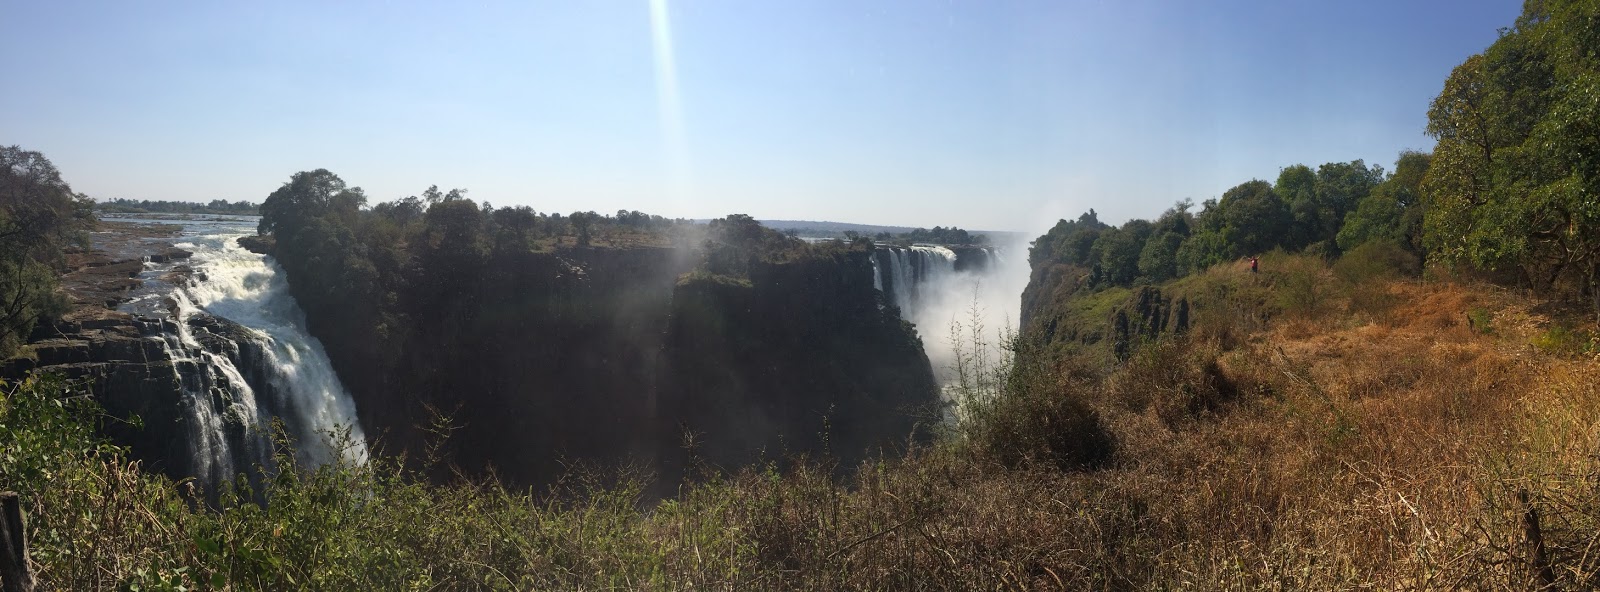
(40,217)
(1513,179)
(1340,186)
(1069,241)
(583,224)
(1117,250)
(1202,250)
(1297,186)
(308,196)
(1158,261)
(1392,210)
(1255,219)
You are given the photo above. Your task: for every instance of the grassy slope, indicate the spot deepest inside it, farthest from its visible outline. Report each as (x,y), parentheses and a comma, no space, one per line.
(1367,437)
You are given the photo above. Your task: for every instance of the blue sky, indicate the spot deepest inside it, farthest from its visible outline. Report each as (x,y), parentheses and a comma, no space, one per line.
(981,114)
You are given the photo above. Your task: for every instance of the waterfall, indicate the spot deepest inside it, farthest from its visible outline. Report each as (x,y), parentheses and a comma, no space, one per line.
(250,289)
(221,432)
(940,289)
(238,343)
(877,274)
(914,276)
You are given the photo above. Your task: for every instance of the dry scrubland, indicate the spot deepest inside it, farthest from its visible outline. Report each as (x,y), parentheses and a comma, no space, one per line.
(1320,428)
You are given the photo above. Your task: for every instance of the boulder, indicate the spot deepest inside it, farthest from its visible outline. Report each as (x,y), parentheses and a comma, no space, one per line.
(170,254)
(260,245)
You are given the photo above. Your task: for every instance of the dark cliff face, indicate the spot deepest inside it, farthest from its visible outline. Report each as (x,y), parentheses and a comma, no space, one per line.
(605,355)
(1064,313)
(121,359)
(799,359)
(557,361)
(972,258)
(148,384)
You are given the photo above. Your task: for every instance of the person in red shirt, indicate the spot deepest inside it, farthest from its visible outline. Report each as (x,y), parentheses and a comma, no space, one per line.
(1253,262)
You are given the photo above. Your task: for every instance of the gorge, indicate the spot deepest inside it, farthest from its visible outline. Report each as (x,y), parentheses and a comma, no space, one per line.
(641,354)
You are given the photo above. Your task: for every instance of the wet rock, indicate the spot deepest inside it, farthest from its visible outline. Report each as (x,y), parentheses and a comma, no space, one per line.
(260,245)
(170,254)
(179,275)
(126,349)
(56,352)
(119,357)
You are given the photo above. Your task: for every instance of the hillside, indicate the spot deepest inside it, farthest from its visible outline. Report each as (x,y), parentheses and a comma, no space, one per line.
(1394,434)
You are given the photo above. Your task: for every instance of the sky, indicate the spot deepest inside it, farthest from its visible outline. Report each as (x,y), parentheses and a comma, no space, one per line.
(982,114)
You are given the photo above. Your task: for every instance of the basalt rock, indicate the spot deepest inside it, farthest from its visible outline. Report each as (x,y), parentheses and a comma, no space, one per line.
(170,254)
(260,245)
(607,355)
(796,359)
(1144,316)
(121,359)
(972,257)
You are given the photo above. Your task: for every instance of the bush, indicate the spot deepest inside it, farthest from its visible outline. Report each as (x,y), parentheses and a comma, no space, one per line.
(1178,379)
(1481,320)
(1300,282)
(1562,341)
(1377,259)
(1040,424)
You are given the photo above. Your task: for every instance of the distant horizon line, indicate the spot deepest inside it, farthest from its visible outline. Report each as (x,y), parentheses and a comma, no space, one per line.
(775,223)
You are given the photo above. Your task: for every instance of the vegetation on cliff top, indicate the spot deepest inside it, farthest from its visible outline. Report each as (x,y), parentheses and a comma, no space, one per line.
(40,219)
(1512,188)
(146,206)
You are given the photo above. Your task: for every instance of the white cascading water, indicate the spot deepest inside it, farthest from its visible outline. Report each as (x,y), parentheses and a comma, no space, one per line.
(238,343)
(249,289)
(917,274)
(952,308)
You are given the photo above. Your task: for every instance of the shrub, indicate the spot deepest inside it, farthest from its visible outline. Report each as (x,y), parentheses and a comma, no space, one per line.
(1560,340)
(1178,379)
(1377,259)
(1040,424)
(1366,271)
(1300,282)
(1018,410)
(1481,320)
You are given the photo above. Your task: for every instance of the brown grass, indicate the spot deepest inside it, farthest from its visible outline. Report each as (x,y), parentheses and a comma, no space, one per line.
(1323,453)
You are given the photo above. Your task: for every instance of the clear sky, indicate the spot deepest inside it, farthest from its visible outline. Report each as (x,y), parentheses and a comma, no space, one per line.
(976,113)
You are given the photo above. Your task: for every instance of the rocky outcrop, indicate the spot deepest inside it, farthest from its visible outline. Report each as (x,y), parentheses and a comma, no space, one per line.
(122,359)
(260,245)
(972,257)
(1063,311)
(606,355)
(1145,316)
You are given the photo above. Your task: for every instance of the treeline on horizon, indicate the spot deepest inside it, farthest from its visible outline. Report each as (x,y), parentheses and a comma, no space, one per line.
(1328,210)
(937,235)
(144,206)
(1510,192)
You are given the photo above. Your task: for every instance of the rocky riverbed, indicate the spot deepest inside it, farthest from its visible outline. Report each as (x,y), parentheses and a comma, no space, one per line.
(121,357)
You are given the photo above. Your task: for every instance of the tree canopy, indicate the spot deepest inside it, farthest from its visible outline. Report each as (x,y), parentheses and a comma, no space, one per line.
(1514,183)
(1329,209)
(40,218)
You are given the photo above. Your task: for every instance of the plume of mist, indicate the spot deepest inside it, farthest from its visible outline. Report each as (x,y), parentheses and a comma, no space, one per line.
(986,301)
